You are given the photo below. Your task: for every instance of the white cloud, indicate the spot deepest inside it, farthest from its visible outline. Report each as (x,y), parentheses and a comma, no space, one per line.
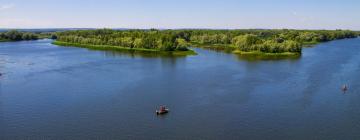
(6,6)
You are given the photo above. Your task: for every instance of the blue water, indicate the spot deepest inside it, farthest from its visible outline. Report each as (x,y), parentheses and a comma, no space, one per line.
(51,92)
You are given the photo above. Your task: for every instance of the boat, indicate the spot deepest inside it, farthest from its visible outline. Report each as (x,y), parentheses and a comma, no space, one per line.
(163,110)
(344,88)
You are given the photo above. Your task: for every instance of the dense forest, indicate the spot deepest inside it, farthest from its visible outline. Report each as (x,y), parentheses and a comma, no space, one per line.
(14,35)
(136,39)
(266,41)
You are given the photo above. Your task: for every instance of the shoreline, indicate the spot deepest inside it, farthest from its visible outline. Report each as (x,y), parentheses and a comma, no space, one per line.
(266,54)
(6,41)
(119,48)
(234,50)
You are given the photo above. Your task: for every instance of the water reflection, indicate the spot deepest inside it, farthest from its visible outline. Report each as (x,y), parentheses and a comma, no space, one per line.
(142,54)
(173,62)
(166,59)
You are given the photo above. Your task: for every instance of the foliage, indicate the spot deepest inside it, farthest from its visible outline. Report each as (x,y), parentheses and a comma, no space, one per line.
(148,39)
(270,41)
(14,35)
(182,44)
(246,42)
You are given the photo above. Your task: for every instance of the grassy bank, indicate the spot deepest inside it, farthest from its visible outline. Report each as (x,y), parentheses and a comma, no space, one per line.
(4,40)
(233,49)
(126,49)
(266,54)
(256,55)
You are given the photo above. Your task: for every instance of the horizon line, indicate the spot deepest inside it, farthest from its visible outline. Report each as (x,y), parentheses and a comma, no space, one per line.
(84,28)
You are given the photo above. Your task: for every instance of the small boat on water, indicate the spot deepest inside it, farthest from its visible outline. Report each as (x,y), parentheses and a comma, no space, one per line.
(163,110)
(344,88)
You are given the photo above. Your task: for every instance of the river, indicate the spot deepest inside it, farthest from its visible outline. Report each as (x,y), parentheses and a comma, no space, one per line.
(51,92)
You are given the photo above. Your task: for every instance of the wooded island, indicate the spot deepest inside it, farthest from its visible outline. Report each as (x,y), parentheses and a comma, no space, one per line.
(278,42)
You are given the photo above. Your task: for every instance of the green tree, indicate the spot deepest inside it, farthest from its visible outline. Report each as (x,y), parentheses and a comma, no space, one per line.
(13,35)
(244,42)
(182,44)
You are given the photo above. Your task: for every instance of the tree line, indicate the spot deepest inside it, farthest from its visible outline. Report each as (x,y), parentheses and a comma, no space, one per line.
(14,35)
(269,41)
(147,39)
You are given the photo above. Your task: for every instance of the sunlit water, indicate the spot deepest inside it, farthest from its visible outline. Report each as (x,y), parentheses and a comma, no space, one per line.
(50,92)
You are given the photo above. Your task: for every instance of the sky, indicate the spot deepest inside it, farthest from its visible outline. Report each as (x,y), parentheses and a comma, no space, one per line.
(175,14)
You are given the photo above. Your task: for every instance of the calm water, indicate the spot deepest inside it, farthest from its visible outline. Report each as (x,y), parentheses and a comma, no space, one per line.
(50,92)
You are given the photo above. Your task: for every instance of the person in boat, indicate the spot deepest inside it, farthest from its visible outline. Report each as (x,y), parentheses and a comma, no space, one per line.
(344,88)
(162,108)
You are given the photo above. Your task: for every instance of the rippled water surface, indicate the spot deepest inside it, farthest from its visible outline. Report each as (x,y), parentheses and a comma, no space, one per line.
(50,92)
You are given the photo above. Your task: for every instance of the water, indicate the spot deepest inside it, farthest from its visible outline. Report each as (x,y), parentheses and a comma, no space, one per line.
(50,92)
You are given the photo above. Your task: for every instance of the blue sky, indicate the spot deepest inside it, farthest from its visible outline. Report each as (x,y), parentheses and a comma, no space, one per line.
(230,14)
